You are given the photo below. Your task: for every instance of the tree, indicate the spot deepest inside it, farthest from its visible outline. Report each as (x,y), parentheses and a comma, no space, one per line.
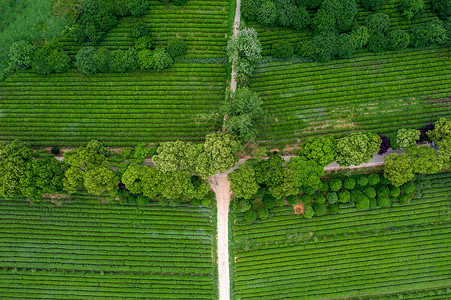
(344,196)
(307,173)
(377,23)
(85,61)
(357,148)
(21,54)
(175,185)
(442,7)
(139,30)
(269,171)
(161,59)
(286,187)
(377,42)
(98,180)
(370,192)
(151,182)
(398,39)
(245,45)
(301,19)
(282,49)
(137,7)
(14,158)
(176,47)
(321,149)
(144,43)
(41,176)
(398,168)
(407,138)
(250,8)
(335,185)
(349,183)
(243,109)
(373,4)
(361,35)
(425,160)
(221,149)
(411,8)
(373,179)
(145,59)
(267,13)
(308,212)
(442,130)
(332,198)
(250,216)
(243,182)
(286,12)
(319,210)
(132,179)
(429,34)
(263,213)
(123,60)
(324,46)
(50,58)
(172,156)
(102,60)
(346,45)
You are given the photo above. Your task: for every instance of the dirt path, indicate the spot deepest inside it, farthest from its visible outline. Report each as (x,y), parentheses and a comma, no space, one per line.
(236,25)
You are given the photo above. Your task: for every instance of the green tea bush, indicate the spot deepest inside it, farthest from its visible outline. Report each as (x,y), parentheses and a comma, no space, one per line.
(176,47)
(373,4)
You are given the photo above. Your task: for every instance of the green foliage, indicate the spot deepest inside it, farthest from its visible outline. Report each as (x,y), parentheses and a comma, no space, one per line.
(398,39)
(307,173)
(263,213)
(370,192)
(429,34)
(324,46)
(349,183)
(393,138)
(362,181)
(250,9)
(373,203)
(373,179)
(319,209)
(301,19)
(377,42)
(321,149)
(269,171)
(373,4)
(443,8)
(55,150)
(335,185)
(441,131)
(305,199)
(364,203)
(408,188)
(395,191)
(220,154)
(102,58)
(123,60)
(244,44)
(144,43)
(411,8)
(346,45)
(361,37)
(172,156)
(139,30)
(425,160)
(85,61)
(99,180)
(383,191)
(293,199)
(132,179)
(243,182)
(176,47)
(398,169)
(335,15)
(324,186)
(308,212)
(161,59)
(21,54)
(332,198)
(282,49)
(357,148)
(145,59)
(41,176)
(407,138)
(344,196)
(243,109)
(383,201)
(320,199)
(267,13)
(332,209)
(137,7)
(250,216)
(377,23)
(50,58)
(269,201)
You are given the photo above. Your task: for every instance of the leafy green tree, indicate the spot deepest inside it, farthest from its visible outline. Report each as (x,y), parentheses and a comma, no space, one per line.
(250,216)
(250,9)
(286,12)
(429,34)
(151,182)
(85,61)
(175,185)
(145,60)
(244,45)
(344,196)
(407,138)
(373,179)
(161,59)
(324,46)
(398,39)
(123,60)
(301,19)
(398,168)
(349,183)
(243,109)
(263,213)
(377,23)
(411,8)
(269,171)
(172,156)
(321,149)
(144,43)
(357,148)
(383,201)
(102,60)
(346,45)
(370,192)
(308,212)
(137,7)
(282,49)
(319,210)
(307,173)
(362,180)
(14,158)
(362,36)
(21,54)
(441,130)
(335,185)
(373,4)
(364,203)
(267,13)
(442,7)
(425,160)
(42,176)
(332,198)
(324,21)
(377,42)
(395,191)
(98,180)
(50,58)
(286,187)
(220,149)
(139,30)
(132,179)
(243,182)
(176,47)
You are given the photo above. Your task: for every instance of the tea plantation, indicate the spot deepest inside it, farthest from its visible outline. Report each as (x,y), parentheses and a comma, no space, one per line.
(402,252)
(80,249)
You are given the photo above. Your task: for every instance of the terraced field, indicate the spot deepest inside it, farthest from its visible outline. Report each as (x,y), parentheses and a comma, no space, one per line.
(401,251)
(118,109)
(374,92)
(268,36)
(81,249)
(202,24)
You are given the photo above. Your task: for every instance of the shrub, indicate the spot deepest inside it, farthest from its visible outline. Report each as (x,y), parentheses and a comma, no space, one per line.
(102,60)
(301,19)
(292,199)
(319,210)
(324,46)
(335,185)
(344,196)
(142,200)
(324,186)
(377,23)
(206,201)
(383,201)
(320,199)
(332,209)
(407,137)
(405,198)
(282,49)
(332,198)
(362,181)
(346,45)
(195,202)
(398,39)
(306,199)
(364,203)
(373,179)
(139,30)
(408,188)
(308,212)
(370,192)
(123,60)
(144,42)
(55,150)
(263,213)
(269,201)
(161,59)
(442,130)
(322,149)
(372,203)
(393,138)
(385,180)
(349,183)
(310,191)
(51,58)
(429,34)
(267,13)
(242,79)
(357,195)
(373,4)
(250,216)
(21,54)
(385,145)
(176,47)
(377,42)
(250,8)
(383,191)
(145,59)
(411,8)
(361,36)
(85,61)
(137,7)
(395,191)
